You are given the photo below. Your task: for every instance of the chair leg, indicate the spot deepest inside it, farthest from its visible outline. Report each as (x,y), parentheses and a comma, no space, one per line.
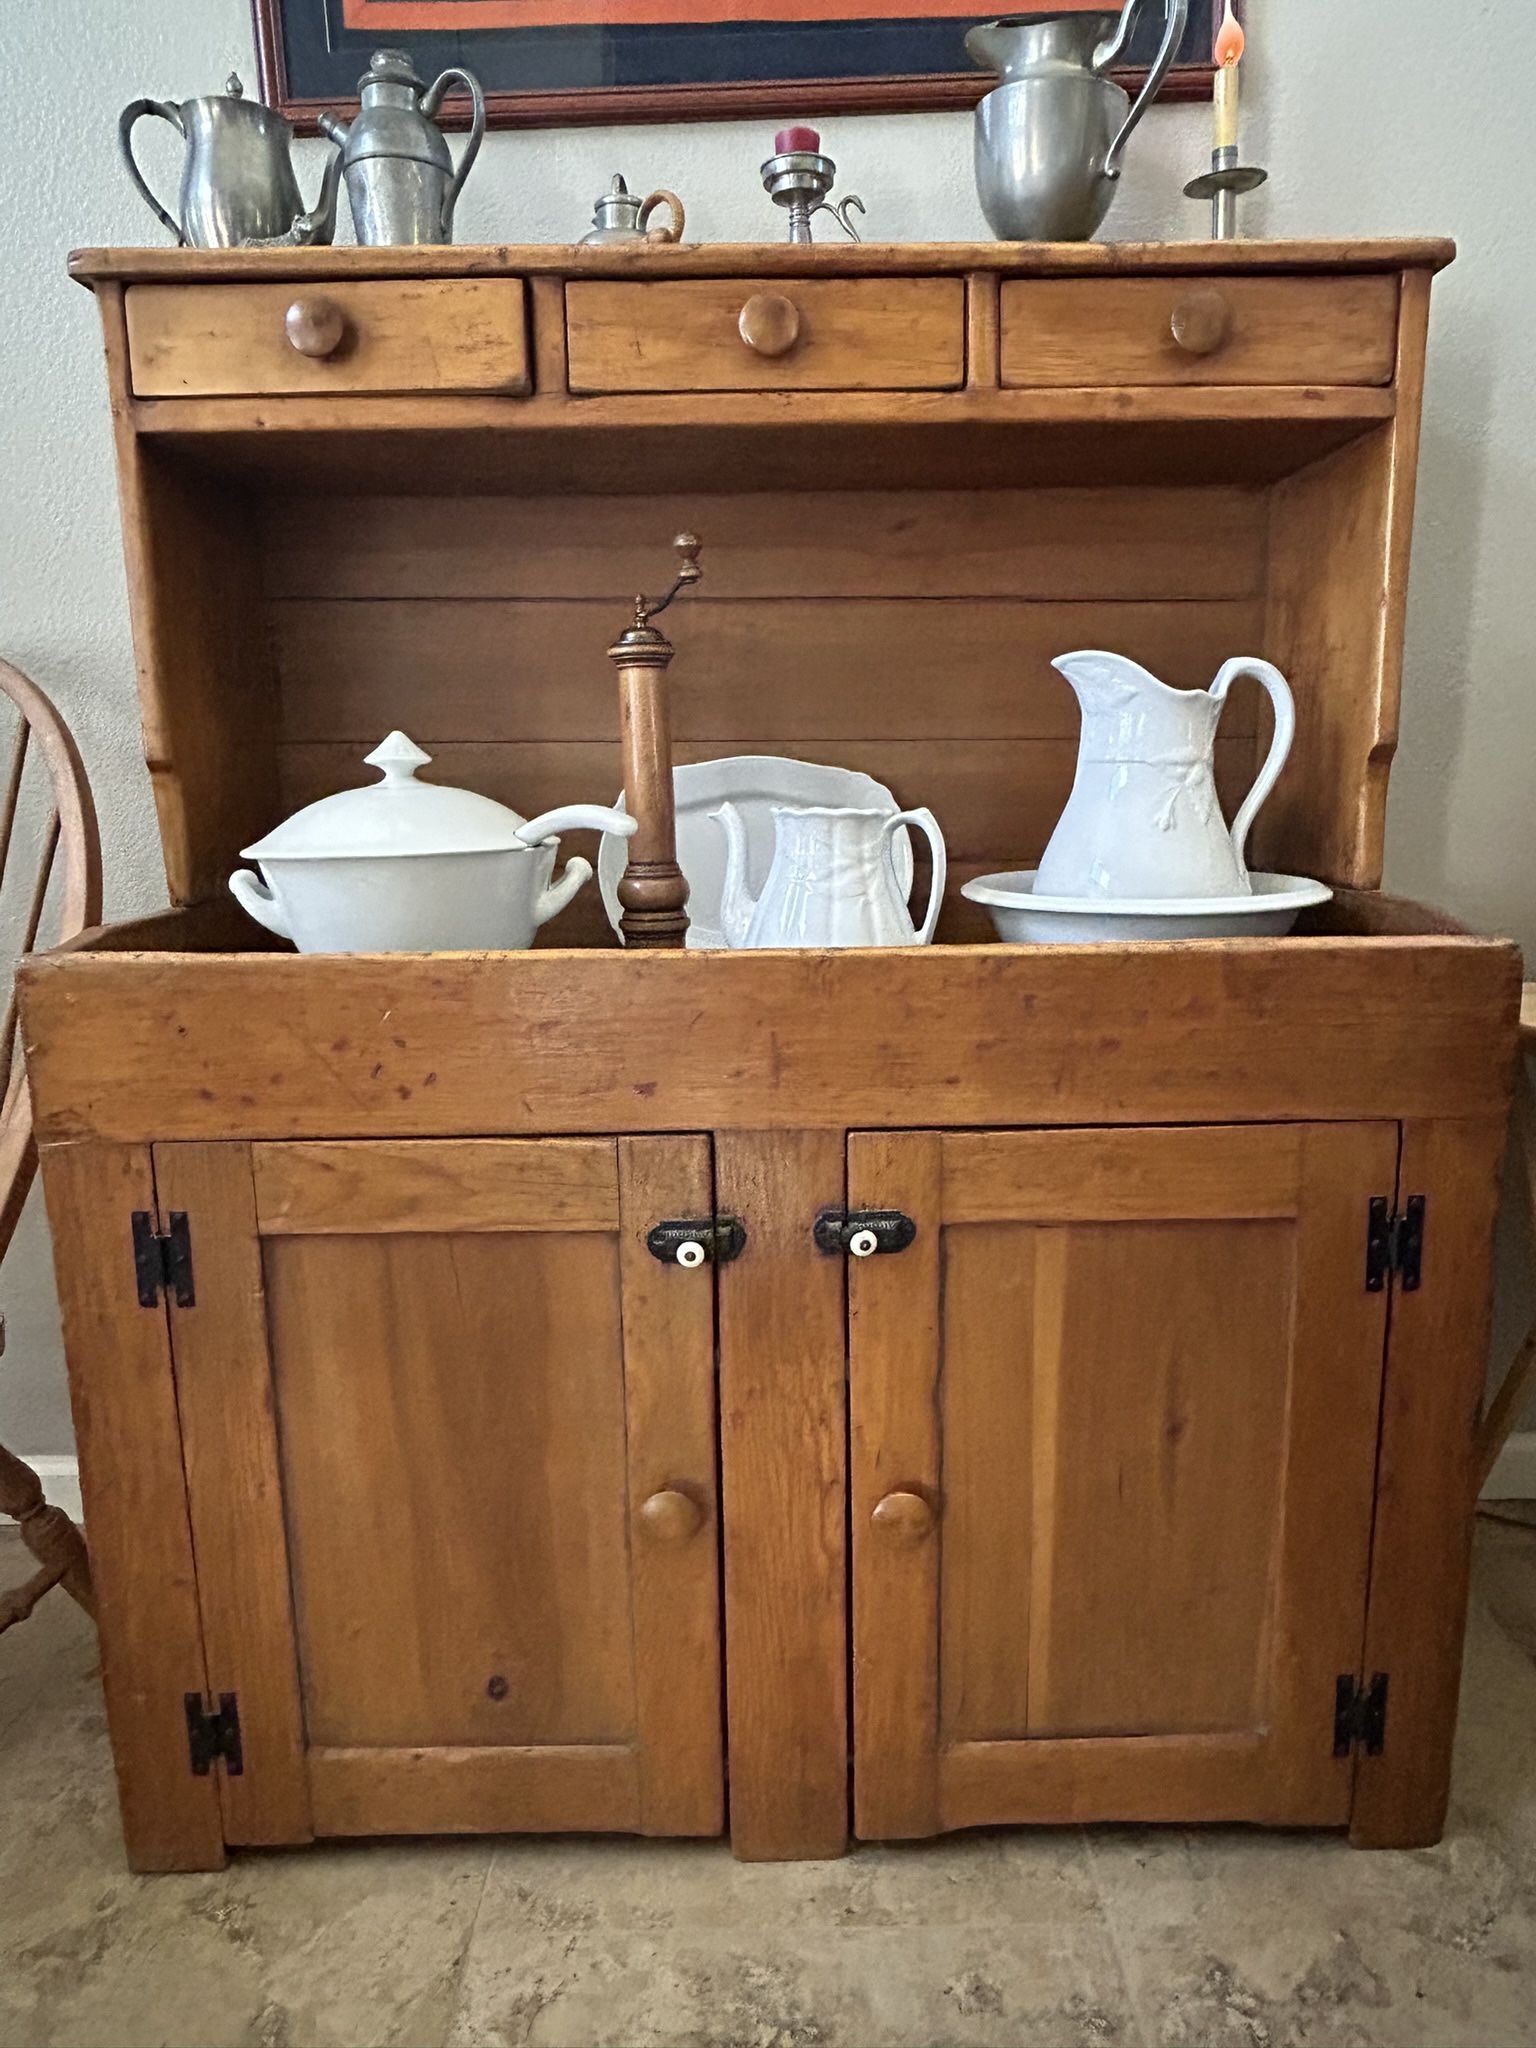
(51,1537)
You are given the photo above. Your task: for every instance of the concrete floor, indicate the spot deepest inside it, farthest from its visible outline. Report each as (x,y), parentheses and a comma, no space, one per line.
(1215,1940)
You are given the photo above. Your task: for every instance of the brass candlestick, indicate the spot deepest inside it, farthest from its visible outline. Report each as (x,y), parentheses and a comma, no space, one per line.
(653,891)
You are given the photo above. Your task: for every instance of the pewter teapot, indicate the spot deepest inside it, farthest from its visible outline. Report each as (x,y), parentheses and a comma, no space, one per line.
(400,177)
(623,216)
(1050,136)
(238,190)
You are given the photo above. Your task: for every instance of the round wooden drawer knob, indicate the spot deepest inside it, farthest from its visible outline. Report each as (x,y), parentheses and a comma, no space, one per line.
(1201,323)
(770,323)
(902,1518)
(670,1516)
(315,327)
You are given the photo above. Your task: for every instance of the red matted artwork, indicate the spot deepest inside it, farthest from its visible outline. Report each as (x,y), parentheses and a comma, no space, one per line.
(551,62)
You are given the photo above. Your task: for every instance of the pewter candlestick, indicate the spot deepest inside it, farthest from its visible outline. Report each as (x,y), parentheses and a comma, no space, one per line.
(1221,185)
(798,177)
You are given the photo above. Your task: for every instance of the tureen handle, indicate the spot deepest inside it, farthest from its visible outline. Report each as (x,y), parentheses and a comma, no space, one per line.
(577,818)
(254,897)
(554,899)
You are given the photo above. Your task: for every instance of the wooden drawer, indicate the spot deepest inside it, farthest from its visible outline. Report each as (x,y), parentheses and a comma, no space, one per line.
(399,335)
(1190,330)
(743,334)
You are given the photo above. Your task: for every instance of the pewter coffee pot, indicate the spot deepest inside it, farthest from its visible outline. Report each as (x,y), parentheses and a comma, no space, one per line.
(1050,136)
(400,177)
(238,189)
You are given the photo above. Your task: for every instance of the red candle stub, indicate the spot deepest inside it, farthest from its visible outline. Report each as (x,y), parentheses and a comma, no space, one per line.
(796,138)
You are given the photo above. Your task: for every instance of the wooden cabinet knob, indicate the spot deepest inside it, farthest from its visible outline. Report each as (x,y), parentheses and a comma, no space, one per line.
(315,327)
(902,1518)
(1201,322)
(670,1516)
(770,323)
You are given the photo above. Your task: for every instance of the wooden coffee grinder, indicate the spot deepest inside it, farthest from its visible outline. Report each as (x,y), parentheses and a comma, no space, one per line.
(653,890)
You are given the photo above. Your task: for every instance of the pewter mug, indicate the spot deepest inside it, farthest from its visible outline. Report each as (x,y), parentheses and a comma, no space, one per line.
(400,177)
(1050,136)
(238,189)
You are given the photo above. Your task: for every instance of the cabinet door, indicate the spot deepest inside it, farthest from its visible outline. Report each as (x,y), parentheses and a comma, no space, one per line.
(449,1434)
(1114,1431)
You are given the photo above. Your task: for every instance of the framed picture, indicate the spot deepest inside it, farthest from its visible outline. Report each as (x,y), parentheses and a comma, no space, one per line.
(552,63)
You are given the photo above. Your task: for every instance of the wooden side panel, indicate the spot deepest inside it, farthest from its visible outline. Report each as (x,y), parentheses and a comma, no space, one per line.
(224,1392)
(783,1464)
(207,691)
(669,1390)
(462,1184)
(452,1427)
(1427,1482)
(893,1314)
(140,1540)
(1340,533)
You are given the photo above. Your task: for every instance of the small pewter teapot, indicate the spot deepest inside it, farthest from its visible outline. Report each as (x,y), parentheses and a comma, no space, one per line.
(400,177)
(1050,135)
(238,190)
(622,216)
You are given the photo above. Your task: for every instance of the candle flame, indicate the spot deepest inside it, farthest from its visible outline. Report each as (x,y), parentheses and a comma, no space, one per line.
(1229,39)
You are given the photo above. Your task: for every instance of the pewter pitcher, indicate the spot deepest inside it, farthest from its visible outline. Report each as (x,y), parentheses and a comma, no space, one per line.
(401,183)
(1051,135)
(238,189)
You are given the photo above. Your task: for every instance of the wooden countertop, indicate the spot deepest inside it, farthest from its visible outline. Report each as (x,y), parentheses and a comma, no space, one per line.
(760,259)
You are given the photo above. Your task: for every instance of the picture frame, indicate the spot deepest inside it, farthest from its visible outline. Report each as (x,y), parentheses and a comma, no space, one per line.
(558,63)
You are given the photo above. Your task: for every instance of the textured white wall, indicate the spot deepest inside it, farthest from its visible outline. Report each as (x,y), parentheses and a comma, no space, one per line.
(1422,141)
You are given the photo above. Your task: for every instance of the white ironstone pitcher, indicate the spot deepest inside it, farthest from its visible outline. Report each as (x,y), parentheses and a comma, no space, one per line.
(832,881)
(1143,818)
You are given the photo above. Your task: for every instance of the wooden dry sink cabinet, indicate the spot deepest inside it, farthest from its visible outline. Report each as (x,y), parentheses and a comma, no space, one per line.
(421,1496)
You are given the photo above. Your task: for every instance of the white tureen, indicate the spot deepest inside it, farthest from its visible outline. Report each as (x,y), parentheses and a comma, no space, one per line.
(403,866)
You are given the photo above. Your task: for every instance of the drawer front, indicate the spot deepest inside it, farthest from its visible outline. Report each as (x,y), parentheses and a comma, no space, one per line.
(742,334)
(1192,330)
(226,340)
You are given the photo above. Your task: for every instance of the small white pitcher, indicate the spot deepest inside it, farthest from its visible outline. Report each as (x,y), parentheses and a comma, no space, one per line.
(832,881)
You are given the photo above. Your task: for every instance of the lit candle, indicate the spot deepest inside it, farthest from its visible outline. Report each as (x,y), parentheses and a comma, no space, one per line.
(1228,54)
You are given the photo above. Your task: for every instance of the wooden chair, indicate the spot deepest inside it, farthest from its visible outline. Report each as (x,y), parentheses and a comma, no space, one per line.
(71,845)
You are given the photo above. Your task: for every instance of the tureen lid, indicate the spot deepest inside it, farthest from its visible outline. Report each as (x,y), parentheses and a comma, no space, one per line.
(395,815)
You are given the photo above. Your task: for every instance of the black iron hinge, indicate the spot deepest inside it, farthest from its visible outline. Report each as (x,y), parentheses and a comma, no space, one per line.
(1359,1715)
(1394,1244)
(163,1265)
(703,1240)
(212,1734)
(862,1232)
